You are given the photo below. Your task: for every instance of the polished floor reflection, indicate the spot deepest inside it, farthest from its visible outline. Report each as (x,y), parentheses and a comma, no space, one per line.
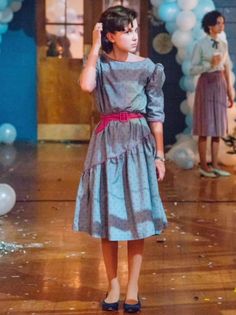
(48,269)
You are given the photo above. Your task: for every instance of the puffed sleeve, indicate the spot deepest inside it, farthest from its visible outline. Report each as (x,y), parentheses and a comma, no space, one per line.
(198,65)
(155,97)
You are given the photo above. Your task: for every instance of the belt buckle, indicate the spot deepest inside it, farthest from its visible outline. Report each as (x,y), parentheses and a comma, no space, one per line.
(123,117)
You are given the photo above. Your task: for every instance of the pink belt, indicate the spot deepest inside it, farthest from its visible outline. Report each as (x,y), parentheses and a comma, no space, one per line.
(122,117)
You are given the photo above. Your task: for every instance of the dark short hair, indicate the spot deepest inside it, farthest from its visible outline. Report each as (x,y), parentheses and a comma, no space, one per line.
(115,19)
(210,19)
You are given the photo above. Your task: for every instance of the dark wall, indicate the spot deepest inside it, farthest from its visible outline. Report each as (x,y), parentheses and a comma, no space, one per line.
(228,8)
(174,122)
(18,74)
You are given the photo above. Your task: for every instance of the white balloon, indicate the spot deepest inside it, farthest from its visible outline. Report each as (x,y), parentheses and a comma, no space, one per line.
(186,20)
(184,158)
(6,16)
(7,198)
(181,54)
(187,4)
(178,59)
(156,3)
(184,107)
(16,6)
(181,39)
(190,99)
(7,154)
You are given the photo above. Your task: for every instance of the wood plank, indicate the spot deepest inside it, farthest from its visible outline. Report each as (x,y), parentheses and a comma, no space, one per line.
(189,269)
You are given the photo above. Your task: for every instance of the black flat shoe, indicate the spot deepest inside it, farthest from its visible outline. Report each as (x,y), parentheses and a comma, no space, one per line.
(110,306)
(132,308)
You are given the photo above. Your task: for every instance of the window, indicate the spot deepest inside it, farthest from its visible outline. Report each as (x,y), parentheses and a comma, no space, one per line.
(134,4)
(65,28)
(66,20)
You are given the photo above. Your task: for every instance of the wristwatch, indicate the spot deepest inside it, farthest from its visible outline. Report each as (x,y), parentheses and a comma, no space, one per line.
(157,157)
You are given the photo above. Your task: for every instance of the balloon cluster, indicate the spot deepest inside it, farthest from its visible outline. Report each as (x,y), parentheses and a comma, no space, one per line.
(7,157)
(183,21)
(7,131)
(7,10)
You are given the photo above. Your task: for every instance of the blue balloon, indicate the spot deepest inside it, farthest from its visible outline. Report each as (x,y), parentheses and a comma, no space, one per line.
(3,28)
(203,7)
(186,65)
(168,11)
(197,31)
(188,84)
(189,120)
(3,4)
(7,133)
(181,83)
(170,27)
(187,131)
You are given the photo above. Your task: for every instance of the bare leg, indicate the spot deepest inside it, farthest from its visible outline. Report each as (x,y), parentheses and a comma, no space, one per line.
(110,256)
(202,146)
(214,151)
(135,257)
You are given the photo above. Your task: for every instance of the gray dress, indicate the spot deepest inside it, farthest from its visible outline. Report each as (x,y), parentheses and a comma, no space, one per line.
(118,196)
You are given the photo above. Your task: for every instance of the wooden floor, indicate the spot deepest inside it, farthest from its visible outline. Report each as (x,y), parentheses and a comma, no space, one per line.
(189,270)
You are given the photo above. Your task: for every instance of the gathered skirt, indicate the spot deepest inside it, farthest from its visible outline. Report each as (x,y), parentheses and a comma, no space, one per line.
(118,196)
(210,106)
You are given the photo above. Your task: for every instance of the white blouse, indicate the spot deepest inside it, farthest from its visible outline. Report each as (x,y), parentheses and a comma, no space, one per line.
(203,52)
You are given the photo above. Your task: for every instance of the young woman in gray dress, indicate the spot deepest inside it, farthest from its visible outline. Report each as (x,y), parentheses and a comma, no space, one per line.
(211,60)
(118,197)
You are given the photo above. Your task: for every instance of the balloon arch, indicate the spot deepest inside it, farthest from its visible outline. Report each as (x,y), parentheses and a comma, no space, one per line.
(182,20)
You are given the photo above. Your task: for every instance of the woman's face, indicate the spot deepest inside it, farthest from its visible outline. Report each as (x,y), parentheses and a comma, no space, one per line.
(219,27)
(126,40)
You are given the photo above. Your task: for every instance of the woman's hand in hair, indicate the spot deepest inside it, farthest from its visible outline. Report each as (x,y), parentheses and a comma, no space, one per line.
(97,35)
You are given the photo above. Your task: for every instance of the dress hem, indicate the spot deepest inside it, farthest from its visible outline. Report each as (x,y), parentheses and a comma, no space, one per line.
(157,232)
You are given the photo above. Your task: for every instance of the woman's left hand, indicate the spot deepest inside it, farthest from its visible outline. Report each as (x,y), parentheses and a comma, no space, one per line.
(231,97)
(160,169)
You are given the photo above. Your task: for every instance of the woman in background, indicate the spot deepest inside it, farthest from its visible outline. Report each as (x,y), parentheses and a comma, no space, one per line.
(214,91)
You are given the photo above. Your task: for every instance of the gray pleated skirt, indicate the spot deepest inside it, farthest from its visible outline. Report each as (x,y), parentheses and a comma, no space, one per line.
(210,106)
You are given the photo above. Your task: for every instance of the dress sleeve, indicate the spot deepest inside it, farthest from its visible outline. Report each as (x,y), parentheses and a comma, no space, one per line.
(155,97)
(198,65)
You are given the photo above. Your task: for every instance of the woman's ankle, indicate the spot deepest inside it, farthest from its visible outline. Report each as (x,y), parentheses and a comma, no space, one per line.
(113,292)
(132,292)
